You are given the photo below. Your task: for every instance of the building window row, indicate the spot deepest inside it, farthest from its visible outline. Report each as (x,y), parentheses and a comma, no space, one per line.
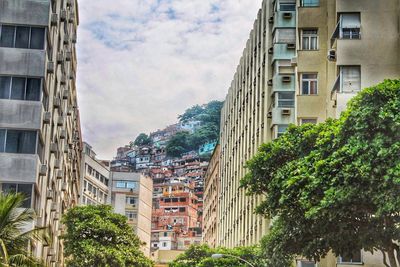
(22,37)
(124,184)
(18,141)
(95,191)
(91,171)
(20,88)
(25,189)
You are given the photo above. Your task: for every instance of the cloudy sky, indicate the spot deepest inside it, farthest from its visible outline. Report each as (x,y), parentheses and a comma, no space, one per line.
(143,62)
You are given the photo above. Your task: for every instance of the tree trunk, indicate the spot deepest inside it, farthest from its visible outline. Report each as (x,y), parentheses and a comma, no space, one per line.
(392,258)
(397,248)
(384,258)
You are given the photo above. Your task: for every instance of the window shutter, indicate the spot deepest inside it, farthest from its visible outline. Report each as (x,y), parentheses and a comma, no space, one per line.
(351,79)
(285,36)
(351,21)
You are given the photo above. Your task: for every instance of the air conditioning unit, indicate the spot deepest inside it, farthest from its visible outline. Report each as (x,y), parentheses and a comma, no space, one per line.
(332,55)
(271,50)
(270,82)
(271,20)
(65,94)
(69,111)
(63,15)
(60,57)
(57,216)
(54,19)
(293,61)
(59,174)
(63,134)
(269,115)
(53,148)
(287,15)
(43,170)
(72,76)
(50,67)
(49,194)
(56,102)
(74,38)
(66,38)
(60,121)
(54,206)
(286,79)
(64,186)
(51,252)
(286,111)
(291,46)
(69,3)
(68,56)
(63,79)
(71,17)
(66,148)
(46,117)
(57,164)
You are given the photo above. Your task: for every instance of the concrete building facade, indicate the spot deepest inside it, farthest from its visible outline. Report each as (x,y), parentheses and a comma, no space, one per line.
(211,193)
(40,137)
(131,196)
(303,61)
(95,179)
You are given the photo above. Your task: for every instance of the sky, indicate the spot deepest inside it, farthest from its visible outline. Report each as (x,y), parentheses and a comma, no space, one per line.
(141,63)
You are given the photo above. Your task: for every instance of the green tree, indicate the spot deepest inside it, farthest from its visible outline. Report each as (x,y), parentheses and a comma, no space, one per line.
(178,144)
(191,113)
(200,256)
(142,140)
(334,186)
(13,234)
(96,236)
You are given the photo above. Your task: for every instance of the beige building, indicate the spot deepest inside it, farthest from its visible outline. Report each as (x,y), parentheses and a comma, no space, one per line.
(131,195)
(302,63)
(40,137)
(211,193)
(95,179)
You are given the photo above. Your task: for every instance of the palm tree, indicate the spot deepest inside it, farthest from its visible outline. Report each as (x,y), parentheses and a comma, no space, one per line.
(14,236)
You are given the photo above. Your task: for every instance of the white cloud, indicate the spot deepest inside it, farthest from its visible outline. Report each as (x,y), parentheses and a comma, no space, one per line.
(143,62)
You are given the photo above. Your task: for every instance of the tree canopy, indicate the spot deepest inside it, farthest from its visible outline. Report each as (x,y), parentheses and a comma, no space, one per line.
(98,237)
(200,256)
(142,140)
(336,185)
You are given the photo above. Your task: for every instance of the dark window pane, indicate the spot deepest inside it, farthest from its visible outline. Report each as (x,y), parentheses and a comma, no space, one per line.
(2,139)
(26,190)
(5,87)
(18,88)
(21,142)
(33,89)
(22,37)
(9,188)
(7,36)
(37,38)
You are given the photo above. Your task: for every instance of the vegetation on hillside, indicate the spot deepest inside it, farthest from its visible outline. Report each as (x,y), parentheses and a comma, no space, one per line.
(142,140)
(209,116)
(96,236)
(336,185)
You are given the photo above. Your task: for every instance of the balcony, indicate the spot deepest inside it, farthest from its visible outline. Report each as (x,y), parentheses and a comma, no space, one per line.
(25,12)
(284,51)
(285,19)
(24,62)
(283,82)
(19,167)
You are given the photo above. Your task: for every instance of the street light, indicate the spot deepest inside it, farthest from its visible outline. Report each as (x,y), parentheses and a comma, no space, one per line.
(218,256)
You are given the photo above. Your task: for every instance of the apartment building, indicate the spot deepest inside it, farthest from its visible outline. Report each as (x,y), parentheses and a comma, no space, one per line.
(40,136)
(131,195)
(303,61)
(211,193)
(95,179)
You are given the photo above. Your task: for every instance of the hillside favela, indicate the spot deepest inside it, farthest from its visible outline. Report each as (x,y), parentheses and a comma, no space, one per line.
(200,133)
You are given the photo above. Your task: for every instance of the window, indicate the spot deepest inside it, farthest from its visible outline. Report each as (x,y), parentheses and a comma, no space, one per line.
(182,209)
(309,39)
(286,99)
(131,185)
(309,3)
(350,79)
(281,129)
(25,189)
(131,215)
(121,184)
(312,121)
(305,263)
(20,88)
(16,141)
(309,84)
(164,244)
(350,25)
(130,200)
(22,37)
(351,257)
(285,36)
(289,6)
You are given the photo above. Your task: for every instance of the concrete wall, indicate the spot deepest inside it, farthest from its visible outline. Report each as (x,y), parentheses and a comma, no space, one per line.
(20,114)
(18,168)
(25,12)
(24,62)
